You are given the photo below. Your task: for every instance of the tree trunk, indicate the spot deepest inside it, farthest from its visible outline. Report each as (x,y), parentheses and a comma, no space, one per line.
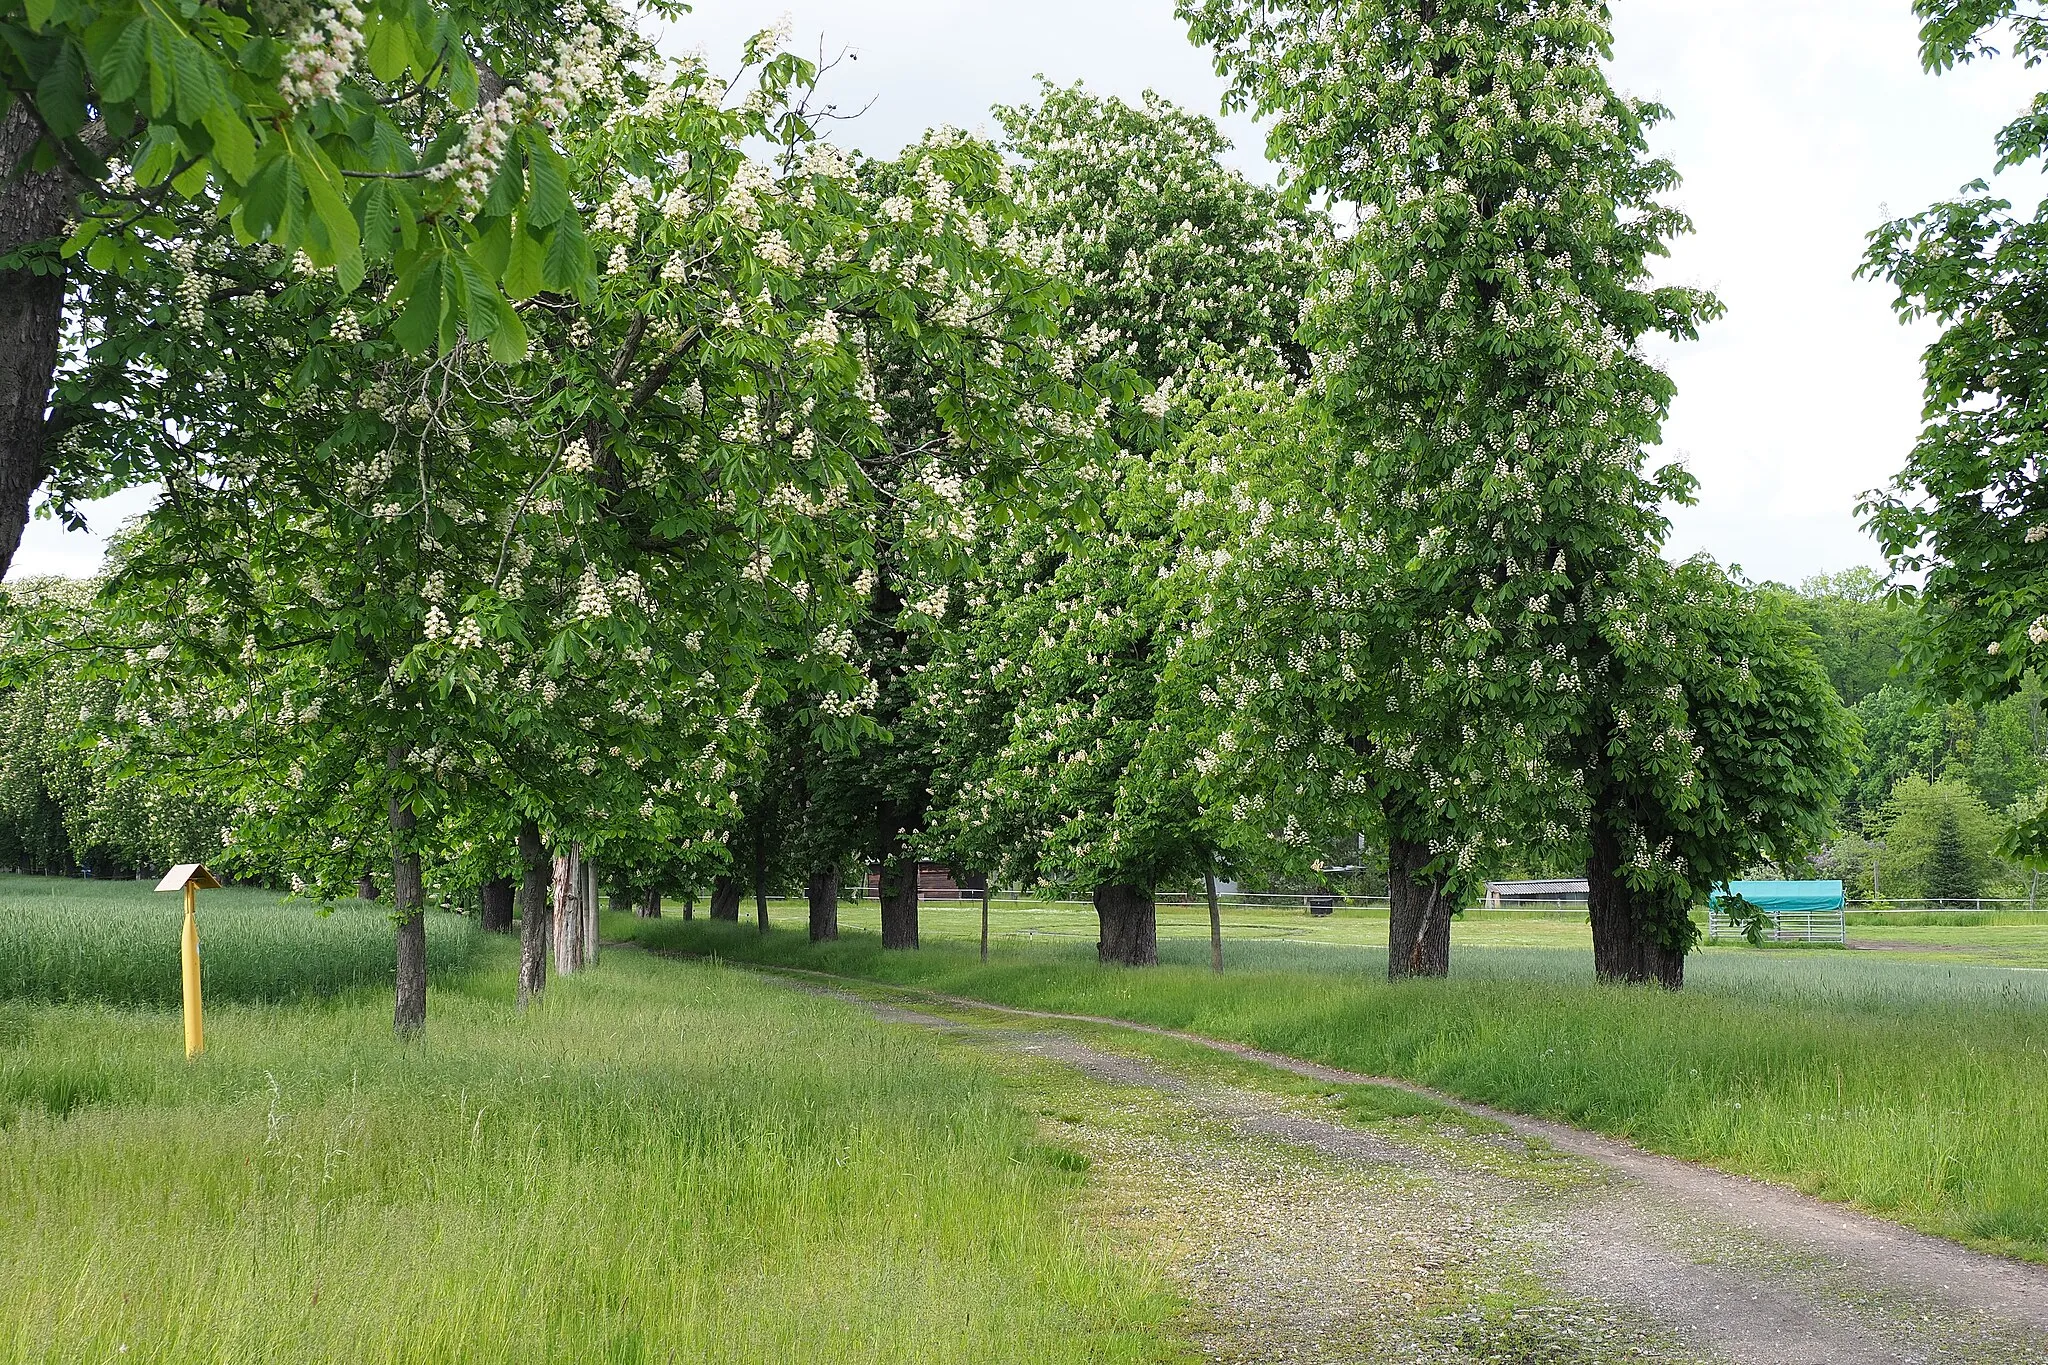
(568,911)
(984,917)
(533,913)
(1215,925)
(1130,926)
(33,208)
(761,884)
(409,909)
(497,907)
(689,906)
(899,903)
(650,904)
(823,893)
(366,887)
(590,943)
(619,898)
(1419,915)
(725,899)
(1626,943)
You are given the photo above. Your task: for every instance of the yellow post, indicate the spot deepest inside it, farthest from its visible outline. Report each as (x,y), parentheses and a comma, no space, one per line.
(195,1026)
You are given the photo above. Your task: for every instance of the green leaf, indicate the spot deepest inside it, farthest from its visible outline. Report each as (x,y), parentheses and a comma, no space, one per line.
(197,88)
(473,293)
(379,223)
(550,181)
(508,341)
(119,69)
(234,146)
(39,13)
(390,52)
(523,267)
(60,94)
(323,184)
(567,266)
(421,318)
(493,249)
(191,180)
(266,204)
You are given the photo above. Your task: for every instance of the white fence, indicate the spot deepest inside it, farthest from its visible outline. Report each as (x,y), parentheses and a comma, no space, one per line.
(1787,926)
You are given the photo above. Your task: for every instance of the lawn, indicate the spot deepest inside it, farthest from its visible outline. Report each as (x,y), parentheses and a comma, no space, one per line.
(1913,1086)
(662,1162)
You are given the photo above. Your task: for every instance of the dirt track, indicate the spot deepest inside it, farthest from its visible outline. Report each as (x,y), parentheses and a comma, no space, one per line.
(1487,1238)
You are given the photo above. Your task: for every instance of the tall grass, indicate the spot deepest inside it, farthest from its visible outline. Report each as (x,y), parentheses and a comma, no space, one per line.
(1913,1091)
(660,1163)
(117,943)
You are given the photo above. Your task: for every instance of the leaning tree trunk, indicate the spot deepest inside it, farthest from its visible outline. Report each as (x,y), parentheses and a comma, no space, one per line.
(725,899)
(823,895)
(1626,943)
(1130,926)
(408,908)
(650,904)
(533,913)
(568,890)
(497,911)
(899,903)
(33,208)
(1418,914)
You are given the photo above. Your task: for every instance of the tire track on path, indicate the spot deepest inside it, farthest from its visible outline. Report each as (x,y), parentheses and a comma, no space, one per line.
(1699,1264)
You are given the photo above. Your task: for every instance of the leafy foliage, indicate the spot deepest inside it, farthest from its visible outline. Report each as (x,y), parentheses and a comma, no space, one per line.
(1064,763)
(1970,511)
(1478,353)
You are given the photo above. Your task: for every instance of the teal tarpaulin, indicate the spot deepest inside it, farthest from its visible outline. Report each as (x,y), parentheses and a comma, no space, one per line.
(1784,895)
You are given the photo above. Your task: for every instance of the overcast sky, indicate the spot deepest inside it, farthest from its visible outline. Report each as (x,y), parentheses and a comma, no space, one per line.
(1799,124)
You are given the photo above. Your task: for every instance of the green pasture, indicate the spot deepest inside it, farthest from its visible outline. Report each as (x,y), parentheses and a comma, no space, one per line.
(116,943)
(1254,935)
(662,1162)
(1913,1084)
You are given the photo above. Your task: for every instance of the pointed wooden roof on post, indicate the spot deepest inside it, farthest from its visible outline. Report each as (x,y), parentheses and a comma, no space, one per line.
(189,874)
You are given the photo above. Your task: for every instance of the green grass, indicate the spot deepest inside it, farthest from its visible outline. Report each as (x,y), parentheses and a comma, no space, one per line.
(117,943)
(1912,1088)
(662,1162)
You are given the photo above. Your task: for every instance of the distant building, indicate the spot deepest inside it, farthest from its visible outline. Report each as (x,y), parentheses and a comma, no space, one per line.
(1551,891)
(933,880)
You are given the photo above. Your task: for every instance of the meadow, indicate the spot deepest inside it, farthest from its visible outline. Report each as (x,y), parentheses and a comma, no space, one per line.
(660,1162)
(1912,1084)
(116,943)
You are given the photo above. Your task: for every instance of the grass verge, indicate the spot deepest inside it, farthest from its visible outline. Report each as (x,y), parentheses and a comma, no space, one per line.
(1927,1104)
(661,1162)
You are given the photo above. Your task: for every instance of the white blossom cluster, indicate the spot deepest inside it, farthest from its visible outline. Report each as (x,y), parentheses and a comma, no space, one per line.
(322,53)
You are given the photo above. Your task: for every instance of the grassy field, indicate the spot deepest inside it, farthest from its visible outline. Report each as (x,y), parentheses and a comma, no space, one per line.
(663,1162)
(1914,1085)
(113,942)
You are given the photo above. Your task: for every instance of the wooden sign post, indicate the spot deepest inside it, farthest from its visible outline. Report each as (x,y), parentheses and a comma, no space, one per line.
(191,878)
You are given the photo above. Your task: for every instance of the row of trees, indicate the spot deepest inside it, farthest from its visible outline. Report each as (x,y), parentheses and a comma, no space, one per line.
(715,506)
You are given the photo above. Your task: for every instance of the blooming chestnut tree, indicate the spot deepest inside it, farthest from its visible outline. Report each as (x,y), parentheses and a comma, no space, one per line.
(1478,351)
(392,135)
(979,444)
(566,583)
(1722,745)
(1047,703)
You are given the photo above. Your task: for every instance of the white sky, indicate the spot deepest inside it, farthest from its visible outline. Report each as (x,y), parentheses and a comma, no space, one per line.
(1799,124)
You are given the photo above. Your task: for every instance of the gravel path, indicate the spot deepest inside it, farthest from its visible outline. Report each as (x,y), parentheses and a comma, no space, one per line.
(1504,1239)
